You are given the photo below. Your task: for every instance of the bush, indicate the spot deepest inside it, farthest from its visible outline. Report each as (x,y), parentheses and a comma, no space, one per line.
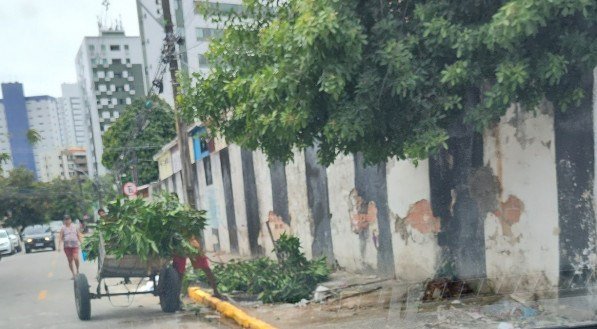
(289,280)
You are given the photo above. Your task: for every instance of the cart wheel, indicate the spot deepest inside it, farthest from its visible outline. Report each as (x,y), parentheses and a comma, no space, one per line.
(169,290)
(82,299)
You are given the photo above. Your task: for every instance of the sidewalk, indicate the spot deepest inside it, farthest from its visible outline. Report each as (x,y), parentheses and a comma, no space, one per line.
(351,300)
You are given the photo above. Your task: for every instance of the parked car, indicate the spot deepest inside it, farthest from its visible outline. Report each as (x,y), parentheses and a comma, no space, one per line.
(38,237)
(15,239)
(55,226)
(5,244)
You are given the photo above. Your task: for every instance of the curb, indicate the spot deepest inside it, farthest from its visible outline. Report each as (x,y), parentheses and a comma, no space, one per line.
(228,310)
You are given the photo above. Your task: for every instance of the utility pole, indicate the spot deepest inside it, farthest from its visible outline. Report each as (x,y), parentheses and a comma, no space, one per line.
(188,175)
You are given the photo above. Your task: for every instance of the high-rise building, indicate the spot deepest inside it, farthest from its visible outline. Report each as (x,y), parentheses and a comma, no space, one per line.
(196,31)
(20,117)
(73,163)
(110,75)
(72,117)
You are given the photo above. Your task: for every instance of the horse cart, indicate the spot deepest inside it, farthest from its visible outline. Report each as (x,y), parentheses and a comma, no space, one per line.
(166,281)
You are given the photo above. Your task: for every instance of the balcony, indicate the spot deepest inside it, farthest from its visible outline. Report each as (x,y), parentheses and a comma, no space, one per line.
(132,92)
(131,78)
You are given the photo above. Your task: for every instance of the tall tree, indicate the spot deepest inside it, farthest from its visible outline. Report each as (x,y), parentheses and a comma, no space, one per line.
(405,79)
(387,78)
(20,200)
(122,150)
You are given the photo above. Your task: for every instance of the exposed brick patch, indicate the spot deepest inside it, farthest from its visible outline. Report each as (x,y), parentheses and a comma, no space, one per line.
(421,218)
(363,213)
(277,225)
(509,213)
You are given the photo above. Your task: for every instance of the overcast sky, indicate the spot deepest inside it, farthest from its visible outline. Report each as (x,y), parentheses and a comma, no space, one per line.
(39,39)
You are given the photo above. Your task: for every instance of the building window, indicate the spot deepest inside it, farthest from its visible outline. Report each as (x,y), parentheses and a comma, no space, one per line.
(106,115)
(103,47)
(128,60)
(127,87)
(101,74)
(114,47)
(104,61)
(125,74)
(126,47)
(110,74)
(116,114)
(205,33)
(118,75)
(128,101)
(119,88)
(203,61)
(102,88)
(116,61)
(91,48)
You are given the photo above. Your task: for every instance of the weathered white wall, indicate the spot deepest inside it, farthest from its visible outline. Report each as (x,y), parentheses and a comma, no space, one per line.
(350,251)
(238,190)
(301,222)
(264,197)
(595,140)
(522,238)
(414,228)
(216,170)
(203,203)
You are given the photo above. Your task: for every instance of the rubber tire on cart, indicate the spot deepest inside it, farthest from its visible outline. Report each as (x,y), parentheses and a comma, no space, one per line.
(82,298)
(169,290)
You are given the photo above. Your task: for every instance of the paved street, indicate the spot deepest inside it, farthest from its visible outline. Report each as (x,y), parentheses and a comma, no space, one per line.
(37,293)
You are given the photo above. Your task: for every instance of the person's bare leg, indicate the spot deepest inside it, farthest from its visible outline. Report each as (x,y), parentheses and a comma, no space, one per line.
(77,264)
(212,281)
(71,266)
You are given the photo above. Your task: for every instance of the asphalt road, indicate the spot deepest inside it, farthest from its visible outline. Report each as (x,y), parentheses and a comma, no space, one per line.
(36,291)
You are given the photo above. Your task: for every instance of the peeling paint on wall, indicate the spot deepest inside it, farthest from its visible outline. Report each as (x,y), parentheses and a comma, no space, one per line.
(421,218)
(362,213)
(277,225)
(509,213)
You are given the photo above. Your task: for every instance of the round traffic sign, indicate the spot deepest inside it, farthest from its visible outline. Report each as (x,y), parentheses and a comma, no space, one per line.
(129,189)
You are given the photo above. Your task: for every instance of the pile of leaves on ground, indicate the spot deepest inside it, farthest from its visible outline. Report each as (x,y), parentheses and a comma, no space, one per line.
(290,279)
(160,228)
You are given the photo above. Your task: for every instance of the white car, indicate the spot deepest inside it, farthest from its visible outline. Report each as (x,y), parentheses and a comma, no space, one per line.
(5,244)
(15,239)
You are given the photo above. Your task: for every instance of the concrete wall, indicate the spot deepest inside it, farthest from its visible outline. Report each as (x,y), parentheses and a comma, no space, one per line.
(521,232)
(414,227)
(301,223)
(352,250)
(238,191)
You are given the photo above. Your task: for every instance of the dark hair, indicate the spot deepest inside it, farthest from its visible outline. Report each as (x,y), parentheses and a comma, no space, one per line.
(100,210)
(67,217)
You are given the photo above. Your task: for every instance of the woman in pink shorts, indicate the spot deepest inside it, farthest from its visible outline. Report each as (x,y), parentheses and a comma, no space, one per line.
(71,237)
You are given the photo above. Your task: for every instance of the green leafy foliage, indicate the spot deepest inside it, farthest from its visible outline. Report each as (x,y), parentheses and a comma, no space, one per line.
(289,280)
(161,228)
(386,78)
(24,201)
(33,137)
(140,150)
(4,158)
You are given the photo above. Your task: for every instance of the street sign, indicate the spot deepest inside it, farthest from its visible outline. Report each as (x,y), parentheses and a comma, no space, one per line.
(129,189)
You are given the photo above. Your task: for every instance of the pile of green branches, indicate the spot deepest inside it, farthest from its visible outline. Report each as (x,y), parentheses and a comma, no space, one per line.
(160,228)
(290,279)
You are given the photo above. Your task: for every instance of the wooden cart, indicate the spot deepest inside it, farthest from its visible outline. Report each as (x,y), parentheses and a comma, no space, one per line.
(167,287)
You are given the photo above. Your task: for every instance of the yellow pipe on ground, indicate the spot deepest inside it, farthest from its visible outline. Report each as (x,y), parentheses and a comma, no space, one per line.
(228,310)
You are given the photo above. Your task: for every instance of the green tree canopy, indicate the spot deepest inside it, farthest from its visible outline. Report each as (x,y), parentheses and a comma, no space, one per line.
(119,139)
(387,78)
